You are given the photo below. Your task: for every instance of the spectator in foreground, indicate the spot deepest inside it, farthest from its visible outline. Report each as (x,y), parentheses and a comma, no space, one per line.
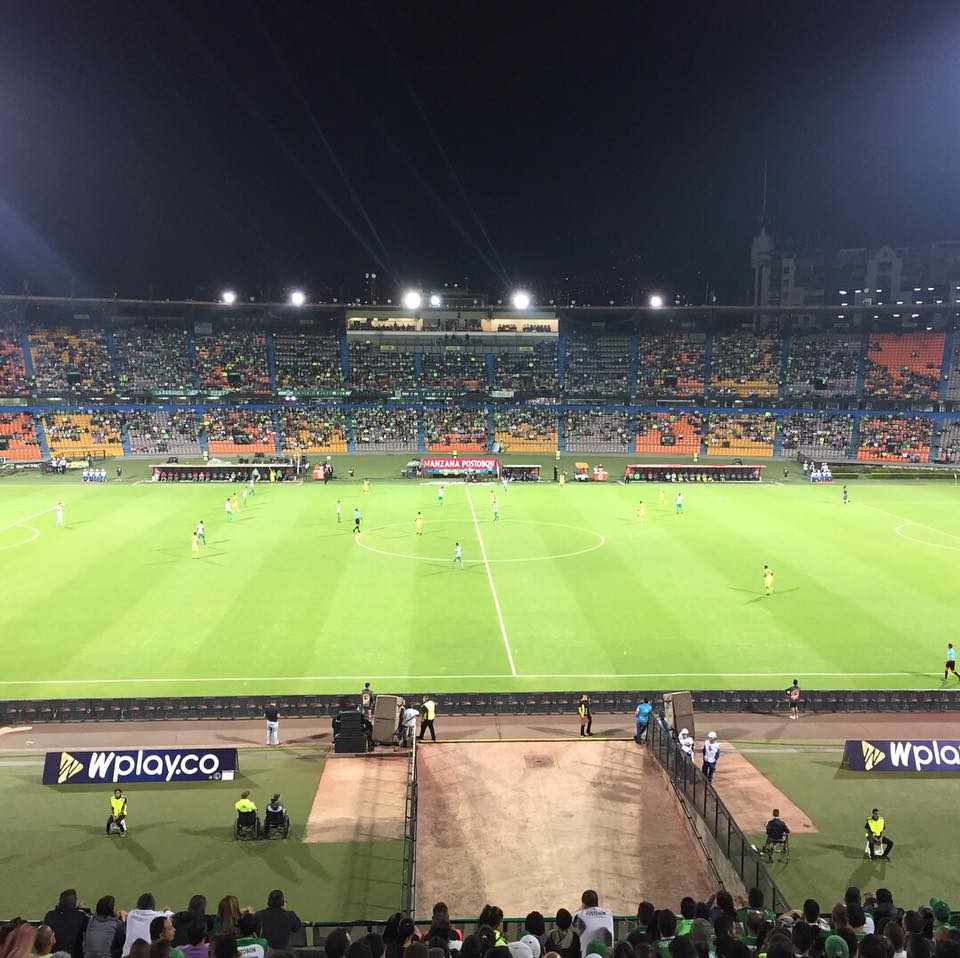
(251,944)
(562,939)
(592,922)
(19,942)
(197,945)
(68,920)
(182,920)
(161,929)
(105,931)
(336,943)
(277,922)
(43,942)
(139,919)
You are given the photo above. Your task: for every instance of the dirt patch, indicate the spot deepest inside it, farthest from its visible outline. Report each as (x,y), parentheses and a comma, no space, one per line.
(359,800)
(528,825)
(751,796)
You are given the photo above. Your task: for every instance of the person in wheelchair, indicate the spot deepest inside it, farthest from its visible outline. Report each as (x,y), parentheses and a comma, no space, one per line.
(275,817)
(778,836)
(247,818)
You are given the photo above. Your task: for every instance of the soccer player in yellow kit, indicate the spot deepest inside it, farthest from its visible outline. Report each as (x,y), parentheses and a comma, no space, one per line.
(419,522)
(768,579)
(235,502)
(195,545)
(641,511)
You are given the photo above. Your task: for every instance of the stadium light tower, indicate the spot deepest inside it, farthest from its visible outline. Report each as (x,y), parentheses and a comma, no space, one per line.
(435,301)
(228,297)
(298,297)
(521,299)
(412,299)
(656,301)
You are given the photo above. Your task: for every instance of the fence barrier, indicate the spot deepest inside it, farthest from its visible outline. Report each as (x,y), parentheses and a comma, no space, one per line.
(700,795)
(408,904)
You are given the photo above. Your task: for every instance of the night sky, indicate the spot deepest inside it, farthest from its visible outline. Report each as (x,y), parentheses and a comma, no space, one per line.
(170,149)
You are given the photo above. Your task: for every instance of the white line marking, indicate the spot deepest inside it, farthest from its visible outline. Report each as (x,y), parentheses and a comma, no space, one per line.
(20,522)
(493,588)
(923,542)
(25,542)
(451,676)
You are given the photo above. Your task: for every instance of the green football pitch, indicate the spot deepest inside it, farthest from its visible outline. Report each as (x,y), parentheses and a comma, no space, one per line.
(568,590)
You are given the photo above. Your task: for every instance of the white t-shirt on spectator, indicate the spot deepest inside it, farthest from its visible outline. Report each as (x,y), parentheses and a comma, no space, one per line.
(593,922)
(138,926)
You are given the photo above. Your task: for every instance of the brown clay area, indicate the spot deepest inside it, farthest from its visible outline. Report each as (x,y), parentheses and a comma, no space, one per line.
(527,825)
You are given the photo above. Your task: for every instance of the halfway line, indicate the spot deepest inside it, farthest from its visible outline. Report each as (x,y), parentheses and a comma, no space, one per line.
(493,589)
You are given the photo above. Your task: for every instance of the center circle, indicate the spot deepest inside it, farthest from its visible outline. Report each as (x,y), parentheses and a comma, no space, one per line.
(32,535)
(599,540)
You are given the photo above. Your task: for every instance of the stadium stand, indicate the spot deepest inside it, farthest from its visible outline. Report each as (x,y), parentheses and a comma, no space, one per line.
(822,365)
(68,361)
(531,369)
(670,365)
(239,431)
(903,365)
(80,434)
(666,434)
(233,361)
(322,429)
(459,428)
(948,448)
(381,367)
(13,373)
(384,429)
(597,430)
(817,435)
(745,367)
(526,429)
(740,434)
(597,365)
(452,369)
(163,433)
(952,374)
(307,362)
(153,359)
(20,433)
(895,438)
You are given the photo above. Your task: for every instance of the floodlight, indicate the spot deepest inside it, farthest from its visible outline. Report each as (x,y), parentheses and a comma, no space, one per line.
(412,299)
(297,297)
(656,301)
(228,297)
(434,300)
(521,299)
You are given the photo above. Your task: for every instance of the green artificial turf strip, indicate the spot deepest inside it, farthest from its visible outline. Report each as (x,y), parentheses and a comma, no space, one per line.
(919,811)
(283,600)
(180,843)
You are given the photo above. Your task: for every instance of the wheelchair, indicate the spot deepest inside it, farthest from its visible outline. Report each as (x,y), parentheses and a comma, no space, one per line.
(276,823)
(781,849)
(246,826)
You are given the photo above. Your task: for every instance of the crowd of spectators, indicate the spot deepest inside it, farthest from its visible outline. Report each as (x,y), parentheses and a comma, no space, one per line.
(13,373)
(307,361)
(895,438)
(750,434)
(153,359)
(316,429)
(20,433)
(597,430)
(817,435)
(597,365)
(384,428)
(83,433)
(454,369)
(381,367)
(953,372)
(233,360)
(455,427)
(861,925)
(745,366)
(239,430)
(161,432)
(903,366)
(530,428)
(823,365)
(948,447)
(670,365)
(530,369)
(70,362)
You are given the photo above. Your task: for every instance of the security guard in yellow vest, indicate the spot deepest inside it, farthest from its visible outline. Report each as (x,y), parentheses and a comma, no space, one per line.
(118,811)
(878,845)
(245,805)
(428,711)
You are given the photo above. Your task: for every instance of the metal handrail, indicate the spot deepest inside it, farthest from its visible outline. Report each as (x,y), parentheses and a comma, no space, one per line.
(408,904)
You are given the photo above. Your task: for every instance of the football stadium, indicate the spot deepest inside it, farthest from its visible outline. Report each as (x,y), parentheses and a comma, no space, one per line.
(478,479)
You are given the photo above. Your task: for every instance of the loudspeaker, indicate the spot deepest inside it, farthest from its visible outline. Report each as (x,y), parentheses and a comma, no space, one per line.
(234,379)
(351,721)
(678,709)
(350,742)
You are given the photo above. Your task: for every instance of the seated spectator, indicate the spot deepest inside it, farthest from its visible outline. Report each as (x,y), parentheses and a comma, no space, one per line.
(277,922)
(13,373)
(239,430)
(163,433)
(153,360)
(233,360)
(139,921)
(313,429)
(823,365)
(448,428)
(562,938)
(597,365)
(378,368)
(531,428)
(250,943)
(70,362)
(749,434)
(384,428)
(670,365)
(597,431)
(532,371)
(161,930)
(745,366)
(68,920)
(182,920)
(895,438)
(817,435)
(307,362)
(105,931)
(197,944)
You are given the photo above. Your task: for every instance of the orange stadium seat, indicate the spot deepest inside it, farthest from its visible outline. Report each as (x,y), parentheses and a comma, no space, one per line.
(21,434)
(681,432)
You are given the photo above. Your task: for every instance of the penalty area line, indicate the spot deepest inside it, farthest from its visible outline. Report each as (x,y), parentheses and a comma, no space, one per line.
(493,588)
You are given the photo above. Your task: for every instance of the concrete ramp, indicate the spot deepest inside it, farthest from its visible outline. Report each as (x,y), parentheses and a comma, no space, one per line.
(527,825)
(359,799)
